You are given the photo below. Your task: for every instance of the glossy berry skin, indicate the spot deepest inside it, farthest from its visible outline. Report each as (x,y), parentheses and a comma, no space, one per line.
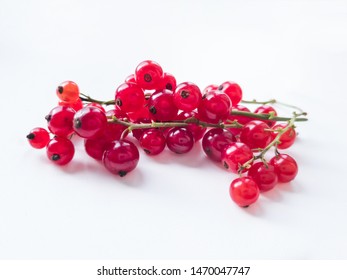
(129,97)
(264,176)
(287,139)
(137,133)
(233,90)
(97,105)
(77,105)
(60,150)
(59,120)
(209,88)
(89,122)
(148,75)
(130,79)
(214,142)
(214,107)
(255,134)
(234,155)
(121,157)
(95,148)
(161,106)
(113,131)
(68,91)
(240,119)
(38,137)
(152,141)
(168,82)
(179,140)
(286,167)
(187,96)
(197,130)
(244,191)
(266,109)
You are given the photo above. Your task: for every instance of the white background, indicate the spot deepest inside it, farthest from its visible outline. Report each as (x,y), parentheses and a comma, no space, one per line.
(172,207)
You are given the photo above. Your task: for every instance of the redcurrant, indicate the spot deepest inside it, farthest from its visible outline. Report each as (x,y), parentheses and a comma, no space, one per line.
(152,141)
(59,120)
(161,106)
(179,140)
(256,134)
(264,175)
(187,96)
(235,155)
(244,191)
(148,75)
(214,107)
(60,150)
(129,97)
(286,167)
(266,109)
(38,137)
(233,90)
(286,139)
(68,91)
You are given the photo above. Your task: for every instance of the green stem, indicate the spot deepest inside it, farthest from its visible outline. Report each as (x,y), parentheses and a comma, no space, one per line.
(87,98)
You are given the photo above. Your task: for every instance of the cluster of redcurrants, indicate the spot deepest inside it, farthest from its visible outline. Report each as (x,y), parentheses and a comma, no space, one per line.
(160,113)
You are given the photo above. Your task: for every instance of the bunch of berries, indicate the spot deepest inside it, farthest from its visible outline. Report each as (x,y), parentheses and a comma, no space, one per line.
(158,113)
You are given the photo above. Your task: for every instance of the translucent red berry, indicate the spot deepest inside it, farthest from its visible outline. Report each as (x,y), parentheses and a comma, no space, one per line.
(287,139)
(148,75)
(214,142)
(264,175)
(38,137)
(68,91)
(286,167)
(95,148)
(256,134)
(179,140)
(197,130)
(130,79)
(60,119)
(152,141)
(209,88)
(266,109)
(187,96)
(240,119)
(89,122)
(60,150)
(235,155)
(214,107)
(77,105)
(168,82)
(161,106)
(244,191)
(121,157)
(233,90)
(129,97)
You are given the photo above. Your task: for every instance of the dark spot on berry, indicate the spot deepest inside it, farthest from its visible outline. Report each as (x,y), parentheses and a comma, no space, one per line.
(147,151)
(184,94)
(207,150)
(31,136)
(169,86)
(153,110)
(147,77)
(122,173)
(55,157)
(60,89)
(77,123)
(204,96)
(48,117)
(119,102)
(245,206)
(225,165)
(220,87)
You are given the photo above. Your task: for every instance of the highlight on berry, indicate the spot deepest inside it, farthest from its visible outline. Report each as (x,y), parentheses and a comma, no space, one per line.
(152,112)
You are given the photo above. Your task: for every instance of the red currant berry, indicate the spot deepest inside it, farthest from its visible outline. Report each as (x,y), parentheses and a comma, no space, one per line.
(209,88)
(38,137)
(121,157)
(161,106)
(266,109)
(244,191)
(130,79)
(214,142)
(60,150)
(233,90)
(214,107)
(240,119)
(179,140)
(285,167)
(78,105)
(148,75)
(197,130)
(89,122)
(129,97)
(113,131)
(95,148)
(168,82)
(152,141)
(286,139)
(59,120)
(187,96)
(264,175)
(234,155)
(256,134)
(68,91)
(97,105)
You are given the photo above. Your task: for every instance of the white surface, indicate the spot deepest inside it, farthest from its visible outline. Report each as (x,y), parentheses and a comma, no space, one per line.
(172,206)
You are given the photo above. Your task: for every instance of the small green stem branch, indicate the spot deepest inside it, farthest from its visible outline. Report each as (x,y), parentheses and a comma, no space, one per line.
(273,143)
(87,98)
